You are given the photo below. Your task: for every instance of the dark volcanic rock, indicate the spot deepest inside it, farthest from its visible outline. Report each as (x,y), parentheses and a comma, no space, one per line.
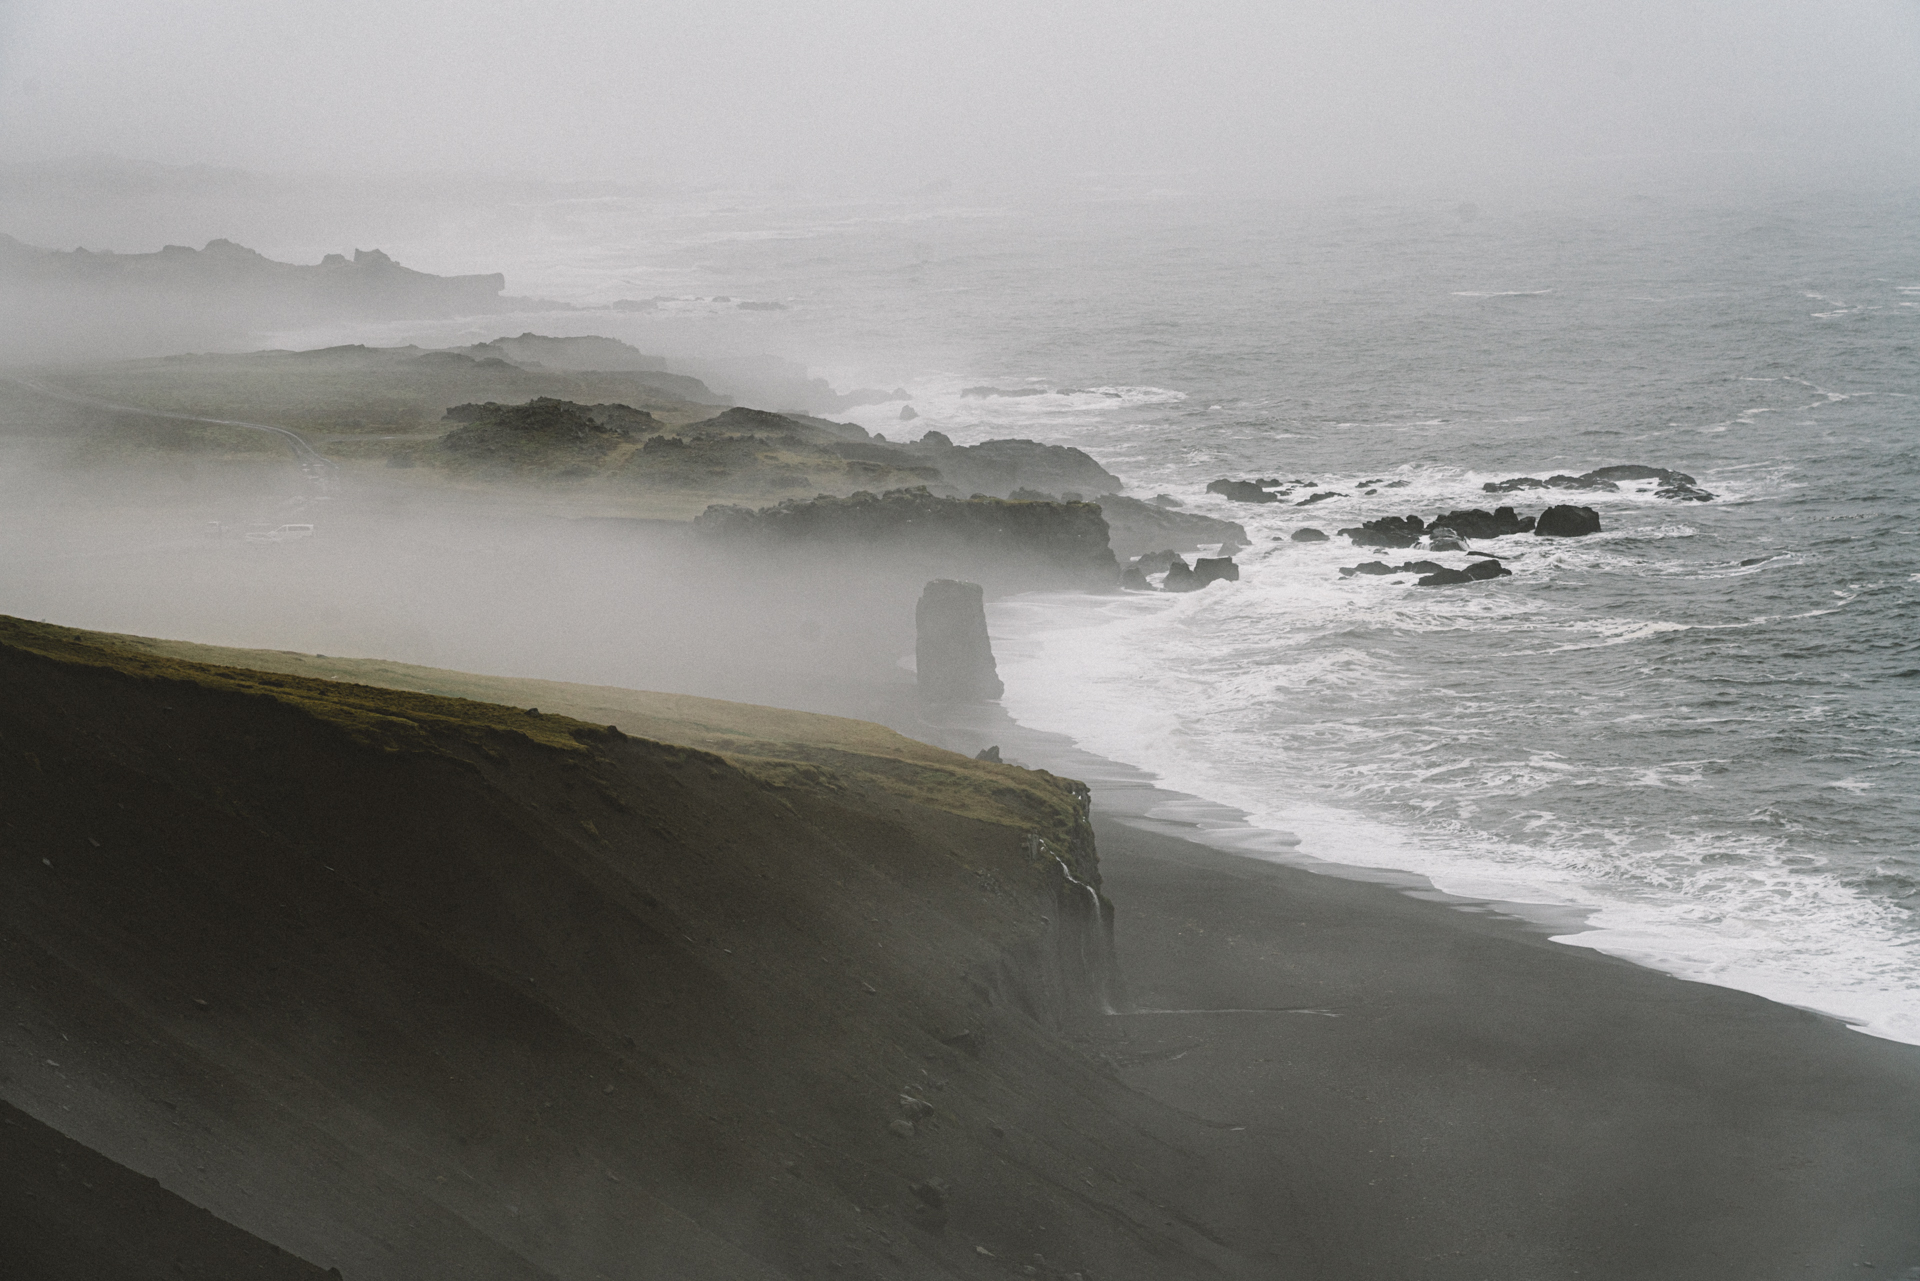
(1308,534)
(1159,562)
(1323,495)
(1240,491)
(998,467)
(1673,484)
(1375,568)
(1475,523)
(1387,531)
(1567,522)
(1479,571)
(1512,484)
(1134,527)
(994,537)
(953,657)
(1133,580)
(1181,579)
(1167,500)
(1640,471)
(1216,569)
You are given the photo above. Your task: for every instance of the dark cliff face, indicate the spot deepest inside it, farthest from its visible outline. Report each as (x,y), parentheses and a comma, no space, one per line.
(413,986)
(990,540)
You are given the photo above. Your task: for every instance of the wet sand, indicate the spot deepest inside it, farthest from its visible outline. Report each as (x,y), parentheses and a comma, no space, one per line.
(1406,1089)
(1403,1083)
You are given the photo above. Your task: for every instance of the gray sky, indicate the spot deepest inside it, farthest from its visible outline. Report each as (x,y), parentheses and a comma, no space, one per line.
(896,92)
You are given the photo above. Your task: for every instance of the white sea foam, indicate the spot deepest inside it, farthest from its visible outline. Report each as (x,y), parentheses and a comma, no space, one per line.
(1196,690)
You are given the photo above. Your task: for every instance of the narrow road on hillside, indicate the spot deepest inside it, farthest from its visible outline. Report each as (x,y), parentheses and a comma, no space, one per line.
(319,470)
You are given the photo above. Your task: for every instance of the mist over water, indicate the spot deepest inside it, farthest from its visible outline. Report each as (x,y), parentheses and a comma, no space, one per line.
(1703,723)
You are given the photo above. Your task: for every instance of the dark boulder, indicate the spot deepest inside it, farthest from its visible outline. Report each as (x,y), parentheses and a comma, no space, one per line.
(1134,527)
(1673,484)
(1371,568)
(1479,571)
(1567,522)
(908,413)
(1240,491)
(953,657)
(1640,471)
(1167,500)
(1564,481)
(1159,562)
(1181,579)
(1387,531)
(1323,494)
(1308,534)
(1444,538)
(1474,523)
(1216,569)
(1133,580)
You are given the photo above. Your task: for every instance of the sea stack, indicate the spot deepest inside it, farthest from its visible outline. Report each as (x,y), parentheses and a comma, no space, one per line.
(952,654)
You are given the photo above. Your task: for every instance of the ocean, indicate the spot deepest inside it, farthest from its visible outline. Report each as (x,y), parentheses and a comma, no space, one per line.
(1700,726)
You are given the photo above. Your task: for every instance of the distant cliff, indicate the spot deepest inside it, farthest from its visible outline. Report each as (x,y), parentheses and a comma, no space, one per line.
(368,282)
(991,540)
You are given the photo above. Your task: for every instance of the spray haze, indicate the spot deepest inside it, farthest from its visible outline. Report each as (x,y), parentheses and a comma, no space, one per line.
(1265,97)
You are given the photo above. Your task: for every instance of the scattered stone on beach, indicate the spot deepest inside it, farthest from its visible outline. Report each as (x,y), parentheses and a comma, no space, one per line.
(1567,522)
(901,1129)
(1479,571)
(1241,491)
(1308,534)
(953,656)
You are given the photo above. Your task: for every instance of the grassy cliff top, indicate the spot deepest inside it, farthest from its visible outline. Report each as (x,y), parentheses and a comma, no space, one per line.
(398,706)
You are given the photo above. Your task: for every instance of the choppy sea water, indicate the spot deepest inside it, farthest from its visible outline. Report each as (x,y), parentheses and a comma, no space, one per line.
(1702,723)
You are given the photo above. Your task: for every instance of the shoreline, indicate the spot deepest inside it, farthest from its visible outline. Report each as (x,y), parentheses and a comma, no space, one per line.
(1393,1072)
(1312,1075)
(1609,924)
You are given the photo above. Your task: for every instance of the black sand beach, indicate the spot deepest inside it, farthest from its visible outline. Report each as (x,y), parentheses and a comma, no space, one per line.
(1303,1076)
(1408,1089)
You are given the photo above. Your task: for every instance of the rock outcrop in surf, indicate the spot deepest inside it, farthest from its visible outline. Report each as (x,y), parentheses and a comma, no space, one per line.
(953,655)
